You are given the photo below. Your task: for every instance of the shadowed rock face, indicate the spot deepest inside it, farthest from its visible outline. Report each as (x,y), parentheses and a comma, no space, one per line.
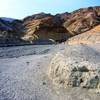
(56,28)
(10,32)
(45,28)
(64,16)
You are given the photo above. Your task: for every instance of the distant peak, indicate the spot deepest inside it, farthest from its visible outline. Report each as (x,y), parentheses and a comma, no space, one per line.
(7,19)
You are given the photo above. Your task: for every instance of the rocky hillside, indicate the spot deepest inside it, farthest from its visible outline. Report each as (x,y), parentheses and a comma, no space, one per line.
(83,20)
(45,28)
(10,32)
(48,27)
(90,37)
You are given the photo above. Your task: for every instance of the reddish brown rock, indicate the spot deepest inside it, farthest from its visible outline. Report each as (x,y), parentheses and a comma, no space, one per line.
(45,28)
(83,20)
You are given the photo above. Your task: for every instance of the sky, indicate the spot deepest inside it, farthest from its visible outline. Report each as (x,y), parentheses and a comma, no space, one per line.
(22,8)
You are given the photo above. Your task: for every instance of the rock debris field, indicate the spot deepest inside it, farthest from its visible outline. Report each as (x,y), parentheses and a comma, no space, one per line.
(32,72)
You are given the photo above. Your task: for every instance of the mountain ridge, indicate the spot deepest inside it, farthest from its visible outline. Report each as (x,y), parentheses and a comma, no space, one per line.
(46,27)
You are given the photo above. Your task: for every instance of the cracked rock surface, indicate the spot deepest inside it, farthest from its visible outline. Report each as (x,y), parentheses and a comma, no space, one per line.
(76,68)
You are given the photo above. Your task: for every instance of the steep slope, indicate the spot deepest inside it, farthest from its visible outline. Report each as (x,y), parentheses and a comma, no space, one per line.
(90,37)
(10,32)
(83,20)
(61,26)
(46,28)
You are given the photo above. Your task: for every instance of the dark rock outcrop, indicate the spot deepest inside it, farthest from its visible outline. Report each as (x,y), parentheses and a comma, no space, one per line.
(11,33)
(37,16)
(45,28)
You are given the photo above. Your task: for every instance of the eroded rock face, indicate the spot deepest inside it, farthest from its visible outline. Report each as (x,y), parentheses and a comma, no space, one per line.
(37,16)
(83,20)
(45,28)
(63,16)
(70,73)
(60,27)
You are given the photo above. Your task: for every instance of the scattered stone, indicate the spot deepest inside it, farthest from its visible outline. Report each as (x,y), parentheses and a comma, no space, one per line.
(44,83)
(27,63)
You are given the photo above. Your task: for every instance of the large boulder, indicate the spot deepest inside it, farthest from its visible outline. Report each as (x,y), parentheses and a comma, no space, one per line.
(75,67)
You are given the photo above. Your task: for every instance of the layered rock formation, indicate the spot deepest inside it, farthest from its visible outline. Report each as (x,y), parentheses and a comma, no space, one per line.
(48,28)
(45,28)
(90,37)
(83,20)
(61,26)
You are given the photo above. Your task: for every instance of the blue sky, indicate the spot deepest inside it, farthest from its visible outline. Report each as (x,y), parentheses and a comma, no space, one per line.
(22,8)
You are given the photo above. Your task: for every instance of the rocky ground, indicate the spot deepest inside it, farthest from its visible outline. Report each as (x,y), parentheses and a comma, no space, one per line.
(24,72)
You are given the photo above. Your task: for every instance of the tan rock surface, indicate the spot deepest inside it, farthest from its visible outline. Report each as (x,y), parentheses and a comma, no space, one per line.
(45,28)
(90,37)
(77,66)
(83,20)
